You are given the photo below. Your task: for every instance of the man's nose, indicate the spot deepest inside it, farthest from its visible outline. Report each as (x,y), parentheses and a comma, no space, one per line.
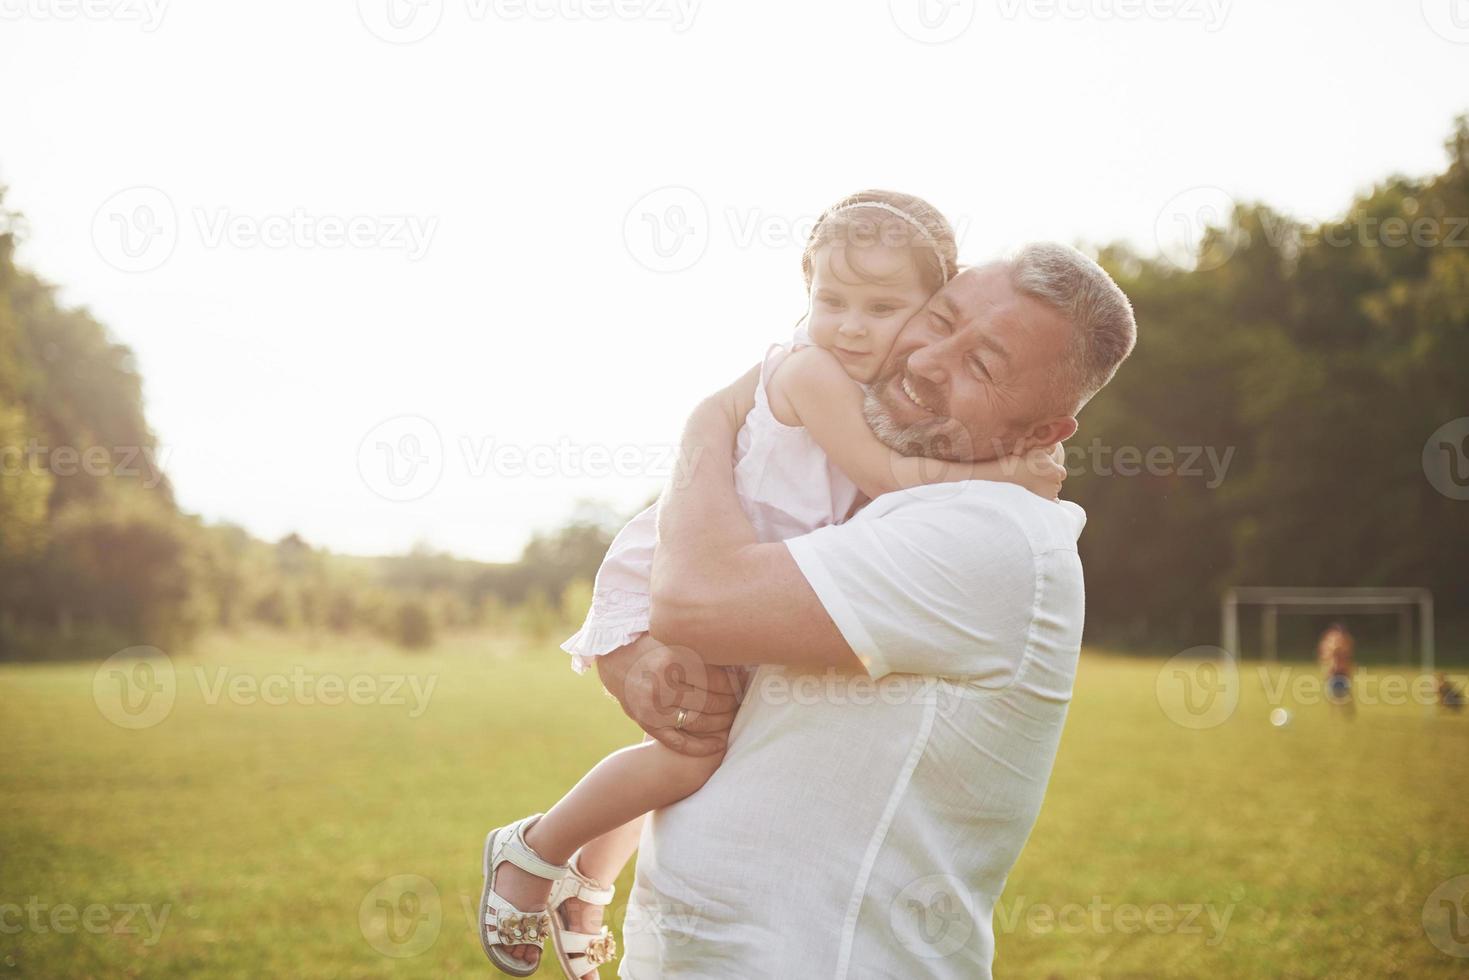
(928,363)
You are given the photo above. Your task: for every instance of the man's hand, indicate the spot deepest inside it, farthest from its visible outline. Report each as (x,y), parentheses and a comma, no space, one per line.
(655,683)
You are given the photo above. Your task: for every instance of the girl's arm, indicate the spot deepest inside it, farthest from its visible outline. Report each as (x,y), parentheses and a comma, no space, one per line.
(810,389)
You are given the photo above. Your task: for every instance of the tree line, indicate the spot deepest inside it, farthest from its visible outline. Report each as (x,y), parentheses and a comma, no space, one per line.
(1271,428)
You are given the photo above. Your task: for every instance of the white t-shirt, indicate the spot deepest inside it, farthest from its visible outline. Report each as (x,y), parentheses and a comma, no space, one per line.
(864,825)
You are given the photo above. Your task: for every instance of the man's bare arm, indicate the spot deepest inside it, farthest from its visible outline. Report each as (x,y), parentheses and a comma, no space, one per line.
(716,588)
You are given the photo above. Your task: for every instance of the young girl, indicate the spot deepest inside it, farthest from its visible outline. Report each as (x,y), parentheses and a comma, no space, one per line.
(805,459)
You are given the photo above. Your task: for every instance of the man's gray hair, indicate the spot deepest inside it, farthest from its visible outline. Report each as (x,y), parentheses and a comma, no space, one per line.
(1103,330)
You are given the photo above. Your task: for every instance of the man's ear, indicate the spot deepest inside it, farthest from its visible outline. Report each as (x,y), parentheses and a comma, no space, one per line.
(1050,432)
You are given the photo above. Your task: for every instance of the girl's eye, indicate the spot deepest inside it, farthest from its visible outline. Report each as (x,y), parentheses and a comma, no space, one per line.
(883,308)
(832,302)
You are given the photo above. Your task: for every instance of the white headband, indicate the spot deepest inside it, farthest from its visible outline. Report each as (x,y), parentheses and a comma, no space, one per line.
(899,212)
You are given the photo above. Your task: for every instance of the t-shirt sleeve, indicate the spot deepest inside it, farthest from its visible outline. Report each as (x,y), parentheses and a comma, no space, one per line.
(944,589)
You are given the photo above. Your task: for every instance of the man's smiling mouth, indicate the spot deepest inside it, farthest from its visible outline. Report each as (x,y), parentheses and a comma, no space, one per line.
(907,386)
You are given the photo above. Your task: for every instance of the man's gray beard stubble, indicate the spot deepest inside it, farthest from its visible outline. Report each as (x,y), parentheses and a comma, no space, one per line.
(910,441)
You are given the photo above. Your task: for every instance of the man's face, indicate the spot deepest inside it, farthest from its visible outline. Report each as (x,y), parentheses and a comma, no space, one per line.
(969,376)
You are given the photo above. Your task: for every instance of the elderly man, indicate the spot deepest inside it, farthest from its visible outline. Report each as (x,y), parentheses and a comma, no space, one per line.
(915,663)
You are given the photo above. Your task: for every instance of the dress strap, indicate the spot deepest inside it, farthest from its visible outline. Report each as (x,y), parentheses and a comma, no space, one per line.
(775,355)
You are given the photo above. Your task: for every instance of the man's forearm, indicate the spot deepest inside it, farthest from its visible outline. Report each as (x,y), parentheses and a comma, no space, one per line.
(612,670)
(700,518)
(716,589)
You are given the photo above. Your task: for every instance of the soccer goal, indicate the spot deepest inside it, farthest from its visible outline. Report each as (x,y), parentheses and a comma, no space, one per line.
(1275,600)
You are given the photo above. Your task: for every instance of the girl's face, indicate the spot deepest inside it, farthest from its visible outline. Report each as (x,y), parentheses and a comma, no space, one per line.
(857,317)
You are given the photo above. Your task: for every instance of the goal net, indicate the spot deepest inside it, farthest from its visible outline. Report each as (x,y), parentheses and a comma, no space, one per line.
(1277,600)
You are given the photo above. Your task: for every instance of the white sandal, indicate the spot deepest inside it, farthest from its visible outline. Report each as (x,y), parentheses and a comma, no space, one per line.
(579,952)
(513,926)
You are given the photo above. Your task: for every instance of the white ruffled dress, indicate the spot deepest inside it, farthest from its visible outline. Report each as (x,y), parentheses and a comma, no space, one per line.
(786,485)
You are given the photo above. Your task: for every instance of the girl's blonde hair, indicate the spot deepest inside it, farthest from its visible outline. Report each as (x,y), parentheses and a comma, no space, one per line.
(890,218)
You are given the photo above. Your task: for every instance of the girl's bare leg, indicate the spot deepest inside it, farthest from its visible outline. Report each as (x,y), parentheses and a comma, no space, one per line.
(605,807)
(602,860)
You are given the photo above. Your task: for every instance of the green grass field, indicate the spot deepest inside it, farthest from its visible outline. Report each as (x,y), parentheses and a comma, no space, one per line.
(255,830)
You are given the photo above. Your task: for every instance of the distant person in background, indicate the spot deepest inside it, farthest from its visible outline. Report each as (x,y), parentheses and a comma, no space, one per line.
(1335,652)
(1449,696)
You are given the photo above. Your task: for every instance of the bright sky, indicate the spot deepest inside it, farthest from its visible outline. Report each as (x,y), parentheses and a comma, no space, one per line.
(405,271)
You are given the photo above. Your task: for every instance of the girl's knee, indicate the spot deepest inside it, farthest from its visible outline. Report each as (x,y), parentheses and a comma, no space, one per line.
(688,772)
